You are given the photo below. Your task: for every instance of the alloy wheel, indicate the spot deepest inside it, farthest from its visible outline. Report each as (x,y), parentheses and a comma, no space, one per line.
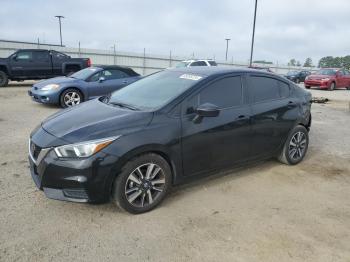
(297,146)
(71,99)
(144,185)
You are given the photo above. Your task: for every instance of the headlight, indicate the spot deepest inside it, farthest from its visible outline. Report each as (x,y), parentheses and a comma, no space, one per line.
(84,149)
(50,87)
(325,79)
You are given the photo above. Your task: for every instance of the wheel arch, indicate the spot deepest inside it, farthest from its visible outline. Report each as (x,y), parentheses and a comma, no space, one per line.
(158,149)
(72,87)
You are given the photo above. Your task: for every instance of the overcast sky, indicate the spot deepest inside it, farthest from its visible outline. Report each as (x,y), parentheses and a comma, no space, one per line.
(285,28)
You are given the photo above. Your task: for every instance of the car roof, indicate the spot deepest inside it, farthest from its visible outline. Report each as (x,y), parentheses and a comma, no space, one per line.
(126,69)
(217,70)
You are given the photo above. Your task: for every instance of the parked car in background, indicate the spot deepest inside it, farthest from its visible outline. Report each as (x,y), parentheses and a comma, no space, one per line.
(83,85)
(190,63)
(329,78)
(297,76)
(166,128)
(31,64)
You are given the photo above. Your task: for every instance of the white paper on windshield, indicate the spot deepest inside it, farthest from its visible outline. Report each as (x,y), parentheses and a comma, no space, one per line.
(190,77)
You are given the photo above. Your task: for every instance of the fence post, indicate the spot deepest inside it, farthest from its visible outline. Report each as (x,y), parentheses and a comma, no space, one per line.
(79,50)
(144,61)
(170,59)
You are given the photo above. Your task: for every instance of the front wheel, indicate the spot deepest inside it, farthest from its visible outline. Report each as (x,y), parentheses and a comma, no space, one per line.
(332,86)
(295,147)
(142,184)
(70,97)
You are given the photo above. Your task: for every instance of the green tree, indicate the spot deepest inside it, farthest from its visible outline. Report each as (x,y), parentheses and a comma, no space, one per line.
(308,62)
(292,62)
(298,63)
(326,61)
(346,62)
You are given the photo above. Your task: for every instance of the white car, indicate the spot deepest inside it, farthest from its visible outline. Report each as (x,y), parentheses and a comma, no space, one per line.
(190,63)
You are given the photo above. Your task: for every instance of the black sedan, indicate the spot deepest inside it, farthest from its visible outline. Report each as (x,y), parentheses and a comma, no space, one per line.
(297,76)
(166,128)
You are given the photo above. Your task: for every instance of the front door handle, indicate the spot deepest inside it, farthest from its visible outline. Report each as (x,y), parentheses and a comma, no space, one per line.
(243,117)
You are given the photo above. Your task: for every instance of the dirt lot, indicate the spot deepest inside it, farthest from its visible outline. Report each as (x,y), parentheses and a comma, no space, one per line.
(267,212)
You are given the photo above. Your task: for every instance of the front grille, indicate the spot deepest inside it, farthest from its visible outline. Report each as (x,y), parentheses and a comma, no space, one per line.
(34,150)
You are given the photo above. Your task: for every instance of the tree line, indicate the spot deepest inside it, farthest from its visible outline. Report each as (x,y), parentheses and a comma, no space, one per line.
(327,61)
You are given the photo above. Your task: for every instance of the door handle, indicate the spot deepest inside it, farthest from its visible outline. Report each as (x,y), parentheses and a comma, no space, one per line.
(125,82)
(243,117)
(291,104)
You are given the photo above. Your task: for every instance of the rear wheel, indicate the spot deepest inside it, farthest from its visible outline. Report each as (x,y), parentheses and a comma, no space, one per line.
(332,86)
(3,79)
(70,97)
(295,147)
(142,184)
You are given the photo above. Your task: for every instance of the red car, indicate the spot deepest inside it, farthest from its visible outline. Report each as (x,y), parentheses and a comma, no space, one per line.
(329,78)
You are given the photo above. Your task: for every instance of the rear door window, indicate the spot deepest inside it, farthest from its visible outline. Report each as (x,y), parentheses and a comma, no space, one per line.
(41,56)
(267,88)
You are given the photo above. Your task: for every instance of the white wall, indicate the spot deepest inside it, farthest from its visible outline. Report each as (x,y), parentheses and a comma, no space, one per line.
(142,64)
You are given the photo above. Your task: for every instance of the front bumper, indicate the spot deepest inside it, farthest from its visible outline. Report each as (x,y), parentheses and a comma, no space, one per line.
(44,97)
(77,180)
(317,83)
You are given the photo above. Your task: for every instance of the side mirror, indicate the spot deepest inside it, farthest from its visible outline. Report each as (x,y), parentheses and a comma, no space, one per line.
(14,57)
(101,79)
(205,110)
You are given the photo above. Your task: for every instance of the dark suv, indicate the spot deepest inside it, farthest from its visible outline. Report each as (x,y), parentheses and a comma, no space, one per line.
(166,128)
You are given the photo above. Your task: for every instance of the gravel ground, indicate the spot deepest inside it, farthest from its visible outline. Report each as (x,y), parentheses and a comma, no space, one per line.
(265,212)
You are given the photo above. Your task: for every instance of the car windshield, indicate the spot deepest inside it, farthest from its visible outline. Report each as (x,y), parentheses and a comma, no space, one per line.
(85,73)
(182,64)
(329,72)
(292,73)
(154,91)
(212,63)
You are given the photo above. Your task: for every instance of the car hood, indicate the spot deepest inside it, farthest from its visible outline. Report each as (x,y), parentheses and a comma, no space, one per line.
(94,120)
(56,80)
(317,77)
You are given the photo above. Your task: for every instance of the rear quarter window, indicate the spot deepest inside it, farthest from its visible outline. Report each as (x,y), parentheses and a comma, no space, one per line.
(265,88)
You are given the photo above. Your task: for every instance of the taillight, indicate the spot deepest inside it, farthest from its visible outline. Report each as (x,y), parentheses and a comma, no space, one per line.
(89,62)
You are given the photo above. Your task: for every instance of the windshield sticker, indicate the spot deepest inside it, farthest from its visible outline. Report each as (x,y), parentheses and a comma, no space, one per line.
(190,77)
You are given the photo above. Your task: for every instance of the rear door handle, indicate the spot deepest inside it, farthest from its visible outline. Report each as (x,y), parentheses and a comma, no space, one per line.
(291,104)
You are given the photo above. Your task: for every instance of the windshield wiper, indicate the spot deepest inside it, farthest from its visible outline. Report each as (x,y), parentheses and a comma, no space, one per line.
(124,105)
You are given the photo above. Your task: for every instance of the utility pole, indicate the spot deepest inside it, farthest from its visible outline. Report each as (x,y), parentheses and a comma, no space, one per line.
(252,47)
(59,21)
(227,39)
(170,59)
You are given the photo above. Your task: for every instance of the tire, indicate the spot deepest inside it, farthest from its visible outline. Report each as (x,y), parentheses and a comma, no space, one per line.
(71,97)
(295,147)
(4,80)
(332,86)
(135,193)
(307,87)
(348,87)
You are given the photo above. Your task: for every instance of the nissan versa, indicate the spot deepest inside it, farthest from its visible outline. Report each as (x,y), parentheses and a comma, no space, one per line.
(133,145)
